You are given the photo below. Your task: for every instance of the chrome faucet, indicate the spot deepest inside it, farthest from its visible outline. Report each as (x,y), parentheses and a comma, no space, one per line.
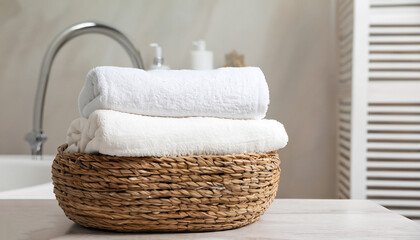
(37,137)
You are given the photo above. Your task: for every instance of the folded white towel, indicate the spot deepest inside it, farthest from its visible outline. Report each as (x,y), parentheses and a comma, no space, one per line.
(240,93)
(123,134)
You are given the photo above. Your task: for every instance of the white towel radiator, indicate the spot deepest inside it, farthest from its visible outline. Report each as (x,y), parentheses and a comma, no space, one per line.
(378,103)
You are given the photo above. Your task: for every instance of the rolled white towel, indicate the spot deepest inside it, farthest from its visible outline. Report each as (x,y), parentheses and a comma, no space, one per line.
(123,134)
(238,93)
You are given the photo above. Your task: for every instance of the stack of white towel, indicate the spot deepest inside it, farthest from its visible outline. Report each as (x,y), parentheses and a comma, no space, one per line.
(132,112)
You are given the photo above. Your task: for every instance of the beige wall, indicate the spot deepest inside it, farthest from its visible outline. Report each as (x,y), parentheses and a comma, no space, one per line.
(291,40)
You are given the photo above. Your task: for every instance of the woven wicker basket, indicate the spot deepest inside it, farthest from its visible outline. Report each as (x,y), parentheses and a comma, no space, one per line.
(161,194)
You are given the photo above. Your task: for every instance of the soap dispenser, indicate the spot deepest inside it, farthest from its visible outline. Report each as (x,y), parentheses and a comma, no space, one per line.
(158,59)
(201,59)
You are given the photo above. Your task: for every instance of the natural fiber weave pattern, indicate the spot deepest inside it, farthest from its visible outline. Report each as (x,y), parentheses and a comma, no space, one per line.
(157,194)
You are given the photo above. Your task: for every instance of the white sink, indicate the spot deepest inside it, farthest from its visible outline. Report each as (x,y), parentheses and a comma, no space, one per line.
(23,177)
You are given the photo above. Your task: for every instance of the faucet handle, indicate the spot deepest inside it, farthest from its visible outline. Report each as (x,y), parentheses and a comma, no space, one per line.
(36,140)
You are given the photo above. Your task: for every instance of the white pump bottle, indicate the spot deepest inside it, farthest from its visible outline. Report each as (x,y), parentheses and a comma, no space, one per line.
(158,59)
(201,59)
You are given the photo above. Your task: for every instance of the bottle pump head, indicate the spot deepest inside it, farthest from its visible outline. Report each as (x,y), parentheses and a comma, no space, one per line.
(201,45)
(158,60)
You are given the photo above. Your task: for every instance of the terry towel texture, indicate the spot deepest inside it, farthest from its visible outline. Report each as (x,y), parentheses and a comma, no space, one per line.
(236,93)
(123,134)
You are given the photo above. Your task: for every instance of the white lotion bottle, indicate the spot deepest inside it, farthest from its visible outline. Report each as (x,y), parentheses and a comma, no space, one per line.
(201,59)
(158,59)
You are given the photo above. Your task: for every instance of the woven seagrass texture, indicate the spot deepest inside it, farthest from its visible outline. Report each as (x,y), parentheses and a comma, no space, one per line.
(165,194)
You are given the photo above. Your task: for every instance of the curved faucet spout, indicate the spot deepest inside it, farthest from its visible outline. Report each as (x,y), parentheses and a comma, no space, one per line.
(36,138)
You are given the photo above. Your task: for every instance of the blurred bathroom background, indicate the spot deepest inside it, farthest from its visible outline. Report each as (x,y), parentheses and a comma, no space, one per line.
(291,41)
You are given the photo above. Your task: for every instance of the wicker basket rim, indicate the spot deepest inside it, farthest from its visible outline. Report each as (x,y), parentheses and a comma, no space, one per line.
(61,150)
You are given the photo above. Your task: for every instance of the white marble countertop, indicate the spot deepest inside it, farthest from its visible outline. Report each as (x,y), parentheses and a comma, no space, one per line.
(285,219)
